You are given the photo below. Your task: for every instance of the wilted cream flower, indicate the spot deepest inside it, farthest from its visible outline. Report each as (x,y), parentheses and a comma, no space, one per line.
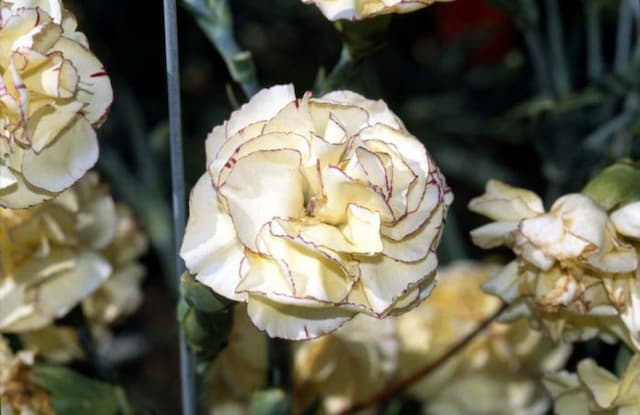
(573,273)
(55,255)
(362,9)
(121,294)
(342,368)
(239,370)
(18,395)
(497,373)
(346,366)
(627,220)
(53,94)
(315,210)
(56,343)
(594,390)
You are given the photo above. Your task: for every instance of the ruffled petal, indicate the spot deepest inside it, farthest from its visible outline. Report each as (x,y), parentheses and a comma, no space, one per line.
(210,248)
(295,322)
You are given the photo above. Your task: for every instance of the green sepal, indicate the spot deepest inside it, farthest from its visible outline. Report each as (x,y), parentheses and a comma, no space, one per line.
(205,317)
(616,185)
(74,394)
(201,297)
(270,402)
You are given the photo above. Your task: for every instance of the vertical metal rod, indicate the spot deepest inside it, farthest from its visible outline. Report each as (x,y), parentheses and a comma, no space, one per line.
(177,180)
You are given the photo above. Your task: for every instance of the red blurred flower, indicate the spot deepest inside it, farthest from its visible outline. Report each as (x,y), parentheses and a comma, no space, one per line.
(464,18)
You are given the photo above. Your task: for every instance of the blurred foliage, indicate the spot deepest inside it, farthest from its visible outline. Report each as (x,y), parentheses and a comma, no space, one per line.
(270,402)
(75,394)
(538,93)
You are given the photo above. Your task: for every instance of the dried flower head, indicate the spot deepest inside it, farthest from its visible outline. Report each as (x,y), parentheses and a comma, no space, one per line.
(18,395)
(574,274)
(497,373)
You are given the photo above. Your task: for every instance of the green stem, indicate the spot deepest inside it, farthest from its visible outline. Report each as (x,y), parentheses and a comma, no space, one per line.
(623,35)
(216,22)
(560,70)
(393,390)
(279,360)
(536,53)
(595,67)
(338,74)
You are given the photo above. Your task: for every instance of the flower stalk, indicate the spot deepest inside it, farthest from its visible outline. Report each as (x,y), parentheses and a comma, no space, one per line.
(406,382)
(216,22)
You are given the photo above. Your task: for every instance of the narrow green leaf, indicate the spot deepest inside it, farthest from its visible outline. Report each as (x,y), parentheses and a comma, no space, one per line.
(75,394)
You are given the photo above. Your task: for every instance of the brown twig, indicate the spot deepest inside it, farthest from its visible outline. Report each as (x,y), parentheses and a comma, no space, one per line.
(402,384)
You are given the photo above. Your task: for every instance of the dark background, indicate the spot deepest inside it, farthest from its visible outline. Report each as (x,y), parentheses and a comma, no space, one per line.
(454,73)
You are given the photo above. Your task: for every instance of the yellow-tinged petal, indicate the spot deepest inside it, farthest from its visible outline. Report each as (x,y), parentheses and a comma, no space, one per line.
(210,248)
(493,235)
(261,107)
(22,194)
(272,182)
(381,284)
(95,87)
(61,164)
(294,322)
(627,220)
(421,243)
(502,202)
(58,287)
(341,191)
(602,384)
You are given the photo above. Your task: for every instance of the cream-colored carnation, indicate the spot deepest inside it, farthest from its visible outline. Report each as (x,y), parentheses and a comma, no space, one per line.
(121,294)
(347,366)
(18,395)
(594,390)
(239,370)
(315,210)
(55,255)
(56,343)
(627,220)
(362,9)
(497,373)
(342,368)
(53,94)
(573,275)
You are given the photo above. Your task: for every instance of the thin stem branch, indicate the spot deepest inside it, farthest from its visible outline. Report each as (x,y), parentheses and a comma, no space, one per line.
(595,65)
(177,181)
(216,22)
(623,35)
(279,359)
(555,34)
(338,74)
(403,384)
(538,59)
